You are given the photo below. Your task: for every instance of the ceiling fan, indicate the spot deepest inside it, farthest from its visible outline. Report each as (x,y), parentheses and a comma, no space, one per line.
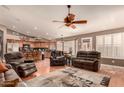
(69,20)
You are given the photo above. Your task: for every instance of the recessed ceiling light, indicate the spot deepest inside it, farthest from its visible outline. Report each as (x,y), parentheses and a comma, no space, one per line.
(13,27)
(35,28)
(28,32)
(13,33)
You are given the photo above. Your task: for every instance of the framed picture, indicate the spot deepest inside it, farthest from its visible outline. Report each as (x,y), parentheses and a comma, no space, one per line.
(86,44)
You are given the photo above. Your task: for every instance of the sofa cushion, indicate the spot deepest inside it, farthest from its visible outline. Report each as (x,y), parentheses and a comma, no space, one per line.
(60,58)
(82,58)
(15,64)
(12,56)
(19,55)
(29,71)
(3,68)
(10,83)
(2,77)
(26,66)
(8,66)
(17,60)
(84,61)
(11,75)
(93,54)
(82,54)
(92,59)
(75,60)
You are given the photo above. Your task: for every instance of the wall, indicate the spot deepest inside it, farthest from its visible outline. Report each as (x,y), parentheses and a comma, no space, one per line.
(4,29)
(118,62)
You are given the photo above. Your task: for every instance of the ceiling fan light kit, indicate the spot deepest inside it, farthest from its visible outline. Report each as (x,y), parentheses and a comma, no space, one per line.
(69,20)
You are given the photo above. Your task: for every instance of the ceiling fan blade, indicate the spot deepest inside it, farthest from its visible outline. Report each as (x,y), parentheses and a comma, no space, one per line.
(58,21)
(80,22)
(73,26)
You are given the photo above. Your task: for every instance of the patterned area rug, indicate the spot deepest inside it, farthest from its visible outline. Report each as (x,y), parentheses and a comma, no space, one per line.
(70,77)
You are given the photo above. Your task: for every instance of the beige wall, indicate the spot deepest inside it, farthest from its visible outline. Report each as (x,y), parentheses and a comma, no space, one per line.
(4,29)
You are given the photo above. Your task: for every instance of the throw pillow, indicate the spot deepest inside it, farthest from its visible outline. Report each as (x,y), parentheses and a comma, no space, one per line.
(11,83)
(3,67)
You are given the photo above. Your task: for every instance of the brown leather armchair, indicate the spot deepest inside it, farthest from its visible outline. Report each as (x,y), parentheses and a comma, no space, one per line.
(23,68)
(57,58)
(89,60)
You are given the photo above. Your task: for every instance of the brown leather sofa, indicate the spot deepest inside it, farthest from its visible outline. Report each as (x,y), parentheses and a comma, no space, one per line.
(23,68)
(89,60)
(57,58)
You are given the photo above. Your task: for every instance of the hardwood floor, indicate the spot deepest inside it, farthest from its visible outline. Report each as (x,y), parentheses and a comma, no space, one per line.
(116,73)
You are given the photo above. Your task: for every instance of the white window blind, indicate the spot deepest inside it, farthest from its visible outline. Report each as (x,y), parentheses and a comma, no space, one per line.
(108,45)
(59,45)
(117,45)
(100,44)
(76,46)
(69,46)
(12,47)
(111,45)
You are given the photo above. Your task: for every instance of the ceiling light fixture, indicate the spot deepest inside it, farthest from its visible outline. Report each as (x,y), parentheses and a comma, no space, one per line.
(35,28)
(13,33)
(13,27)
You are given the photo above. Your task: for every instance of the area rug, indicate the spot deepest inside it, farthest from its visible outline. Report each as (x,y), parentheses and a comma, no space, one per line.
(70,77)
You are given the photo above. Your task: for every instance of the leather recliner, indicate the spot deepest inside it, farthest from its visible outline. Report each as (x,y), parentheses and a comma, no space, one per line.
(22,67)
(57,58)
(89,60)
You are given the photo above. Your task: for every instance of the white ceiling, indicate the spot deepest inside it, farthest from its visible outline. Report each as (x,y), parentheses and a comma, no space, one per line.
(25,18)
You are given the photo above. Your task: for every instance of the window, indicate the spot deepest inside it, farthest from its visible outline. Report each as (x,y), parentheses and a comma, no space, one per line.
(111,45)
(59,45)
(12,47)
(76,46)
(116,45)
(100,44)
(108,45)
(69,46)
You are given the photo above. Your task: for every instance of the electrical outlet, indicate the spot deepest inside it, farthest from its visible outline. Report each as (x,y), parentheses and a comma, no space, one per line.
(113,61)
